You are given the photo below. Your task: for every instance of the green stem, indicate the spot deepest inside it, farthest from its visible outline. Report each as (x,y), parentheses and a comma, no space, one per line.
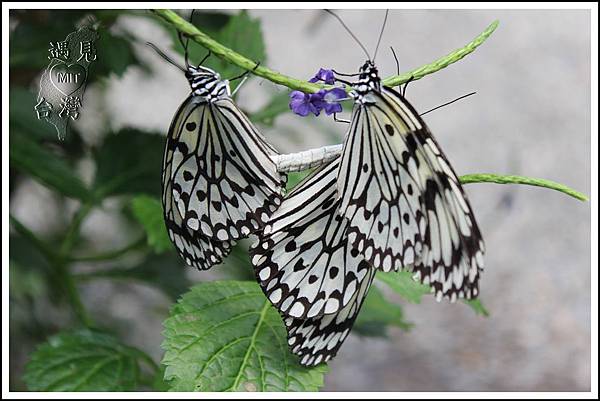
(517,179)
(73,230)
(33,239)
(109,255)
(237,59)
(443,62)
(62,264)
(62,269)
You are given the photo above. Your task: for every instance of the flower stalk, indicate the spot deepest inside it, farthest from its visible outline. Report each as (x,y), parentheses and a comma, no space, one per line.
(239,60)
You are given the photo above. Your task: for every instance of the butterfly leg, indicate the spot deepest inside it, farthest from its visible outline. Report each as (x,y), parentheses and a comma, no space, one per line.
(244,77)
(412,77)
(340,120)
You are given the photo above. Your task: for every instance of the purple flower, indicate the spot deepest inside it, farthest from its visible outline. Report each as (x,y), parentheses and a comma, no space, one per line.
(303,103)
(323,75)
(325,99)
(329,100)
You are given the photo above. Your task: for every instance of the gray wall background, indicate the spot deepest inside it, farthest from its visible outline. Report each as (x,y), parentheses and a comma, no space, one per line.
(531,116)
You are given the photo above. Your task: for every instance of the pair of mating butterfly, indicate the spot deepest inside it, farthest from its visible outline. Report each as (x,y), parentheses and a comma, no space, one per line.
(391,201)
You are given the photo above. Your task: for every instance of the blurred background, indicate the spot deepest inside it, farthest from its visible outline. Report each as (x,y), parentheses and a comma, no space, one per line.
(530,116)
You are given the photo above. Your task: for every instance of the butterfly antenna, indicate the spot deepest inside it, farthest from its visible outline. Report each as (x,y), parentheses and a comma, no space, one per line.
(164,56)
(450,102)
(350,32)
(380,34)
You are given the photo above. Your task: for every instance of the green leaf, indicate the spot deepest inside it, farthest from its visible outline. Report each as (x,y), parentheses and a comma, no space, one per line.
(244,35)
(412,291)
(129,162)
(404,285)
(23,117)
(294,178)
(29,157)
(115,54)
(166,271)
(148,211)
(278,104)
(226,336)
(82,361)
(477,306)
(377,314)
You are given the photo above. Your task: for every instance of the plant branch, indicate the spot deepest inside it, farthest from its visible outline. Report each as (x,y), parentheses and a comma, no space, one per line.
(62,264)
(33,239)
(110,254)
(239,60)
(517,179)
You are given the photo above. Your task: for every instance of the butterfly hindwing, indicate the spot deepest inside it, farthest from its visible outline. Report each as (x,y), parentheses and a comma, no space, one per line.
(303,260)
(318,339)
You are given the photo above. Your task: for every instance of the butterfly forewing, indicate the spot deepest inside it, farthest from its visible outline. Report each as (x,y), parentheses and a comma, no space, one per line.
(303,260)
(219,182)
(404,201)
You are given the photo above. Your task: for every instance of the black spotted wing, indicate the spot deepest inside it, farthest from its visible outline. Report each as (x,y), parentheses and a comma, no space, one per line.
(219,182)
(404,201)
(302,259)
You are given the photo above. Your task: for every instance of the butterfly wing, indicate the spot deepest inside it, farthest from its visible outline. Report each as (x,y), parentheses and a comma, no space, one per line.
(318,339)
(404,201)
(218,177)
(302,259)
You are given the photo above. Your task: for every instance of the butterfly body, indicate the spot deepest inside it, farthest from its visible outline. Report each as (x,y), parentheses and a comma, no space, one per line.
(207,84)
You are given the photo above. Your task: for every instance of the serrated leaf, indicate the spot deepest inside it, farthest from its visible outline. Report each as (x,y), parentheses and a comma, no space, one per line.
(82,361)
(377,314)
(129,161)
(148,211)
(404,285)
(226,336)
(477,306)
(47,168)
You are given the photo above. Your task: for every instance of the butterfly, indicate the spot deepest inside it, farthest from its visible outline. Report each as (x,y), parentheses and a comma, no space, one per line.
(404,203)
(392,201)
(309,270)
(219,181)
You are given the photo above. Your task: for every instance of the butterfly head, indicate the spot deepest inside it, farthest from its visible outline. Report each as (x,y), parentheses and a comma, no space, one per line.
(368,81)
(207,83)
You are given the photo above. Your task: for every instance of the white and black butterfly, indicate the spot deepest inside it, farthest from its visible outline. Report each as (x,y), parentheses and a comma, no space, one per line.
(397,204)
(308,269)
(219,183)
(404,202)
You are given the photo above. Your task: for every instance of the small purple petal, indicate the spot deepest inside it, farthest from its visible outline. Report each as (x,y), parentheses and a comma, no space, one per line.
(303,103)
(324,75)
(329,100)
